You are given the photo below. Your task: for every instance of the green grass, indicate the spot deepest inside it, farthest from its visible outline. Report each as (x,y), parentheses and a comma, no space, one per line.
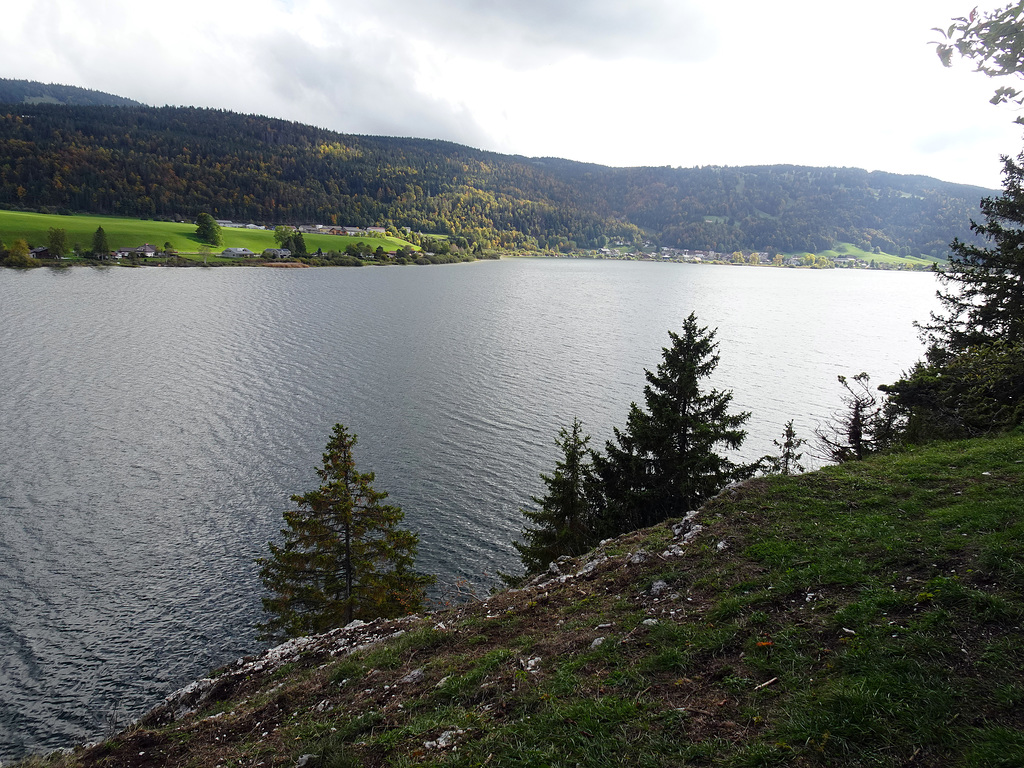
(131,233)
(867,614)
(848,249)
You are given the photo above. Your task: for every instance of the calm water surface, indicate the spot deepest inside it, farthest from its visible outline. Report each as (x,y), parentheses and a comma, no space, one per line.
(154,423)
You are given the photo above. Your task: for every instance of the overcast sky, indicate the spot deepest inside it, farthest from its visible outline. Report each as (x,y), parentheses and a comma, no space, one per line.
(616,82)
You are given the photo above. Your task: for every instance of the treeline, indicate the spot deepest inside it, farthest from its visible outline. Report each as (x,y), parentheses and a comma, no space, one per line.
(173,162)
(667,461)
(31,92)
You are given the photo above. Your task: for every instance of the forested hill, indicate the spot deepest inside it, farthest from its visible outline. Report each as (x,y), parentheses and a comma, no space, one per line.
(31,92)
(174,162)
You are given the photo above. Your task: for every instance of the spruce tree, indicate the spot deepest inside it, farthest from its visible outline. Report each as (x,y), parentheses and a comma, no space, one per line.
(970,382)
(788,461)
(565,522)
(666,461)
(987,300)
(100,246)
(343,555)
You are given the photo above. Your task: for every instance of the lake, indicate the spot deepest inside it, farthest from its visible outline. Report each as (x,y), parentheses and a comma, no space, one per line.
(155,422)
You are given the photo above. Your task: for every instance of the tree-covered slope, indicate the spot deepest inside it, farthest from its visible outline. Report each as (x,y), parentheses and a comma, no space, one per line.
(173,162)
(31,92)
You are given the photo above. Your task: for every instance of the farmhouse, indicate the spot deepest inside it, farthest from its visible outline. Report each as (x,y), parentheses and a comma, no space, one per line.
(236,253)
(142,251)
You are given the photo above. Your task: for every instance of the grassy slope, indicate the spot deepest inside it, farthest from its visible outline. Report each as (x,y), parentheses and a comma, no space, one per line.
(124,233)
(863,615)
(848,249)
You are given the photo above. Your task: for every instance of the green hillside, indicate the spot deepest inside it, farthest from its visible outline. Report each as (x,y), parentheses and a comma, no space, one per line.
(868,614)
(31,92)
(174,162)
(131,233)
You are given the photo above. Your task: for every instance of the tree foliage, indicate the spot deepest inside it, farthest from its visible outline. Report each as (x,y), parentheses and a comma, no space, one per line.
(566,520)
(57,242)
(173,162)
(787,462)
(208,230)
(343,556)
(17,256)
(972,380)
(666,461)
(100,247)
(985,296)
(860,429)
(993,41)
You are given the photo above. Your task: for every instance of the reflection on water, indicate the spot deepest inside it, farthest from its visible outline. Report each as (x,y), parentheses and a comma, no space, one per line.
(155,422)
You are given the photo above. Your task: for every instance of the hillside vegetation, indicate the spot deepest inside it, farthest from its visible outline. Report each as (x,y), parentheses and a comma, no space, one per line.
(31,92)
(867,614)
(175,162)
(131,233)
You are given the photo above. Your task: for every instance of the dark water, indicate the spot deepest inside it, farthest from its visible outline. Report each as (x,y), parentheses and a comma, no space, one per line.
(153,424)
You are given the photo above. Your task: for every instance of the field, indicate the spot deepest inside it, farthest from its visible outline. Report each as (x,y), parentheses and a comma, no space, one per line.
(847,249)
(130,233)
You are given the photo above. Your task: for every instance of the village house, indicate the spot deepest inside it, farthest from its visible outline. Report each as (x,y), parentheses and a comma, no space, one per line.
(236,253)
(143,251)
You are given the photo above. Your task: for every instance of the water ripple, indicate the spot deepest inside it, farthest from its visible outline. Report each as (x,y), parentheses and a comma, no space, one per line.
(156,422)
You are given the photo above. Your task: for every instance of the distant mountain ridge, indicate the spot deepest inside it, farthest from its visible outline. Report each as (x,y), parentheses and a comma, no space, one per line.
(31,92)
(175,162)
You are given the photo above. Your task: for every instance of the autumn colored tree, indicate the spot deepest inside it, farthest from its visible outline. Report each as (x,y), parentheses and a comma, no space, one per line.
(17,256)
(343,556)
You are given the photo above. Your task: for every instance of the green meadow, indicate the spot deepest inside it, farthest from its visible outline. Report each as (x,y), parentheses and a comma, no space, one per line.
(130,233)
(848,249)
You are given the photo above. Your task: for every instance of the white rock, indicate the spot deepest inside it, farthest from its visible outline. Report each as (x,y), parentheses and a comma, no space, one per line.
(445,740)
(413,677)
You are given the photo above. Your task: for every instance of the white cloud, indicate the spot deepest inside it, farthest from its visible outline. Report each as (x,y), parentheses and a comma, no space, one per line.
(653,82)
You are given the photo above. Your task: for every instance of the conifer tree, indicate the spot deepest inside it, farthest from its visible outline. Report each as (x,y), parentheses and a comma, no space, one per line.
(987,300)
(788,460)
(666,461)
(566,522)
(863,426)
(100,246)
(343,555)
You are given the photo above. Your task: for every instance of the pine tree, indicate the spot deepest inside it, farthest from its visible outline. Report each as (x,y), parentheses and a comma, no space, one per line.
(863,426)
(970,382)
(665,462)
(565,523)
(100,246)
(343,556)
(987,302)
(788,461)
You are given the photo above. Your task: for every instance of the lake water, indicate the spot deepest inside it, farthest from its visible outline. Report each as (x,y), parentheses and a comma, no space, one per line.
(154,423)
